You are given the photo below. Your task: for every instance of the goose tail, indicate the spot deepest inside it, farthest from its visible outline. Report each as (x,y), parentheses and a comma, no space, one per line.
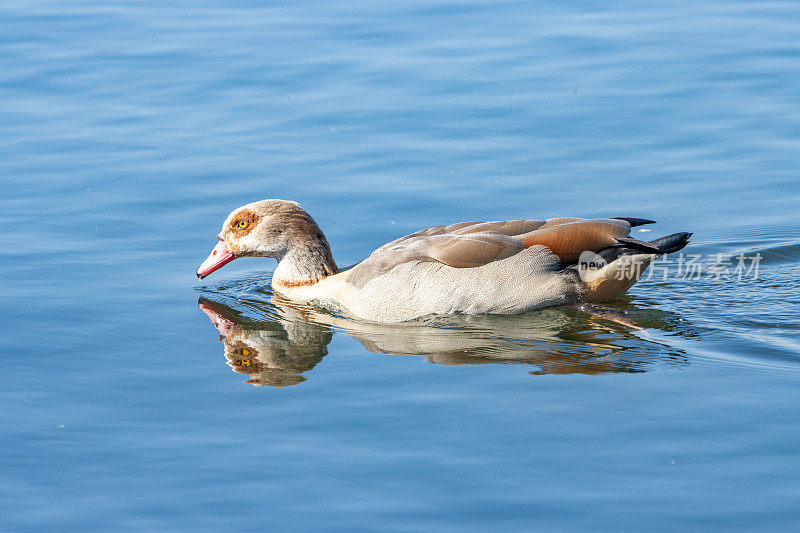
(609,273)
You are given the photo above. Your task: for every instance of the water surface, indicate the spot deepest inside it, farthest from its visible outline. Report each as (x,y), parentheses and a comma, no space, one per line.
(130,130)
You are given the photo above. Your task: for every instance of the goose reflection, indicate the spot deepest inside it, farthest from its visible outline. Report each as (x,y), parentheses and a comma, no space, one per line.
(275,353)
(275,342)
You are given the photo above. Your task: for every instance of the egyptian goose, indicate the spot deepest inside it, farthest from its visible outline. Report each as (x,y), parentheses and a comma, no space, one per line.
(501,267)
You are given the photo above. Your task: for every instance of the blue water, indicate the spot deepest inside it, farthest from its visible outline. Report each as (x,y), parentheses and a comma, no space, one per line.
(131,129)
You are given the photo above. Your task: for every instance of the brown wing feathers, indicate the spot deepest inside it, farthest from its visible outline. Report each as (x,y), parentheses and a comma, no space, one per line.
(567,240)
(504,227)
(471,244)
(465,251)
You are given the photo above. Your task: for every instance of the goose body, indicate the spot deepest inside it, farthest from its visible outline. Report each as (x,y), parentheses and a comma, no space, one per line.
(500,267)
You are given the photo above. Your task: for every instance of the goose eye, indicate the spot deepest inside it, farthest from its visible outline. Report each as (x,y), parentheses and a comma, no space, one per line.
(242,224)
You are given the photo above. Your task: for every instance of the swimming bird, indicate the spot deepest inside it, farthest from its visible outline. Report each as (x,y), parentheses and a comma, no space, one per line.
(499,267)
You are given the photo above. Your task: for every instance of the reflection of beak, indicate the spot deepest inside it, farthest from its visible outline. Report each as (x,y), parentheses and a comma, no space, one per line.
(221,255)
(222,324)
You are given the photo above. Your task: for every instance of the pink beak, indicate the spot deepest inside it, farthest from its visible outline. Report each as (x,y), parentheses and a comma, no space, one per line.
(220,256)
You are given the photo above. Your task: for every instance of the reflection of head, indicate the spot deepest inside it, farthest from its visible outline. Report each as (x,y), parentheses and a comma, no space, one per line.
(274,353)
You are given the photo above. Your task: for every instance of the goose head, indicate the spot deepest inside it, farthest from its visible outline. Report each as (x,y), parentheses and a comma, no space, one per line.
(273,228)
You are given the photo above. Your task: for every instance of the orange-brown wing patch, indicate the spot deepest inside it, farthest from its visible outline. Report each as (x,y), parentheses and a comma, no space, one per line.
(568,240)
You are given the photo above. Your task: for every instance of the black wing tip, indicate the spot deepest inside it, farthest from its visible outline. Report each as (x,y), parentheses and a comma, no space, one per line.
(672,243)
(642,246)
(635,221)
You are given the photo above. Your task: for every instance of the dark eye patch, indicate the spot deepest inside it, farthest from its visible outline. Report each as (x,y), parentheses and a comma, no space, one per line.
(245,218)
